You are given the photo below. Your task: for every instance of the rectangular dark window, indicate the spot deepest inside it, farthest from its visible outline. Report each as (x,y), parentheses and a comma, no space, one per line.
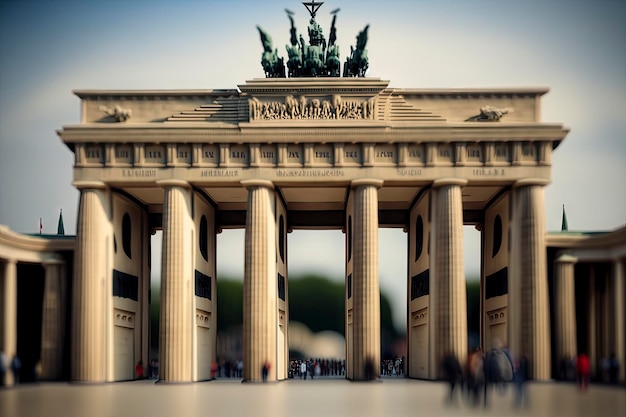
(497,283)
(203,285)
(420,284)
(349,285)
(281,287)
(125,285)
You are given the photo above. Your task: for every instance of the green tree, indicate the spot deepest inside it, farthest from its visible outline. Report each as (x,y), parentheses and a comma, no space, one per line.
(314,300)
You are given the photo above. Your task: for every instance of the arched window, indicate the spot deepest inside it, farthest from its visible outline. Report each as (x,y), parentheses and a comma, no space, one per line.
(419,237)
(203,237)
(349,238)
(126,235)
(281,238)
(497,235)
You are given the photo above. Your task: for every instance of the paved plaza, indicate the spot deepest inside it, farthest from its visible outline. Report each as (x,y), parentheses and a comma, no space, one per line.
(319,397)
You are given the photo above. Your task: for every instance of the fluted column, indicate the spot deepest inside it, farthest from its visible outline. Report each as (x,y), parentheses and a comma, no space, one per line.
(531,333)
(565,307)
(90,289)
(9,316)
(260,286)
(592,328)
(365,282)
(447,265)
(619,327)
(53,321)
(176,315)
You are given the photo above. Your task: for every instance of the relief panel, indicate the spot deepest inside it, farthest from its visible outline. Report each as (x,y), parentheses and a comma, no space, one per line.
(210,154)
(154,154)
(352,154)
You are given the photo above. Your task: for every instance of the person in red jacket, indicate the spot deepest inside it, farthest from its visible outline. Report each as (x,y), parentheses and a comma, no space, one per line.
(139,370)
(582,371)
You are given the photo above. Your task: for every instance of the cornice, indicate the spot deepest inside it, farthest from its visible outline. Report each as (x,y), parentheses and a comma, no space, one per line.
(138,94)
(474,92)
(277,132)
(288,84)
(17,240)
(586,241)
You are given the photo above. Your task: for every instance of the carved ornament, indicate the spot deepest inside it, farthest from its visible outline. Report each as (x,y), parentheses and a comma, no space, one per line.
(489,114)
(293,108)
(118,113)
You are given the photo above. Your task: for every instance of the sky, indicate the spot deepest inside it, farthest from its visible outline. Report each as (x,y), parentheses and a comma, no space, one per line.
(574,48)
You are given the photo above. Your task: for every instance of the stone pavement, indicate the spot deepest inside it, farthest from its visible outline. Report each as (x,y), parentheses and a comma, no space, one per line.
(320,397)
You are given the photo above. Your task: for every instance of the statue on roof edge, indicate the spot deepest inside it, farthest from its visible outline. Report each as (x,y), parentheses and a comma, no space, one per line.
(273,65)
(318,58)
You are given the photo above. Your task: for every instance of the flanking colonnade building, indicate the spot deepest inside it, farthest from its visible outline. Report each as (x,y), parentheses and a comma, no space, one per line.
(278,154)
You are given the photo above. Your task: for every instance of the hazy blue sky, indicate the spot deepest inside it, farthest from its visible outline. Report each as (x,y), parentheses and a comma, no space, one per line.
(576,48)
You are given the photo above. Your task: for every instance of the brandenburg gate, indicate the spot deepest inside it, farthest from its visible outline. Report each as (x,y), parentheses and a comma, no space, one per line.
(306,149)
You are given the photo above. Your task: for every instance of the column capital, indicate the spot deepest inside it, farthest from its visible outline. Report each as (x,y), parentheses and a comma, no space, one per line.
(87,184)
(52,262)
(566,258)
(252,183)
(366,181)
(449,181)
(173,183)
(526,182)
(10,261)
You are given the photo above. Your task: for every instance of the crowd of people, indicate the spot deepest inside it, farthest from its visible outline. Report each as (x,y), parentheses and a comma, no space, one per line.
(14,365)
(392,367)
(316,367)
(490,371)
(485,372)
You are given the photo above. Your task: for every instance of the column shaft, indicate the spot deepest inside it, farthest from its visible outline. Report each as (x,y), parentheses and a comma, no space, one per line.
(9,315)
(53,322)
(619,328)
(90,290)
(530,279)
(565,308)
(592,323)
(365,282)
(260,283)
(177,314)
(449,275)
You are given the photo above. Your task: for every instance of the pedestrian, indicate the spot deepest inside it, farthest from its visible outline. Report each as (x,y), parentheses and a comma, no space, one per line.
(453,373)
(16,367)
(213,370)
(139,370)
(613,368)
(303,369)
(476,375)
(520,377)
(265,370)
(582,371)
(3,367)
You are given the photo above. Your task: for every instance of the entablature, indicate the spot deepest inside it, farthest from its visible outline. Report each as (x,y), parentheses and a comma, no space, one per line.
(321,154)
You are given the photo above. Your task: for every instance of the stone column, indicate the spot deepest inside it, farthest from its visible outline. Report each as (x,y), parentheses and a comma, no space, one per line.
(365,283)
(592,327)
(619,327)
(177,314)
(565,307)
(448,270)
(260,285)
(528,291)
(90,289)
(9,317)
(53,321)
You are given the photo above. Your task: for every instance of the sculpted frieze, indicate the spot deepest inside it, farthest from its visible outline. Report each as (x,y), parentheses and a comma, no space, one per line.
(292,108)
